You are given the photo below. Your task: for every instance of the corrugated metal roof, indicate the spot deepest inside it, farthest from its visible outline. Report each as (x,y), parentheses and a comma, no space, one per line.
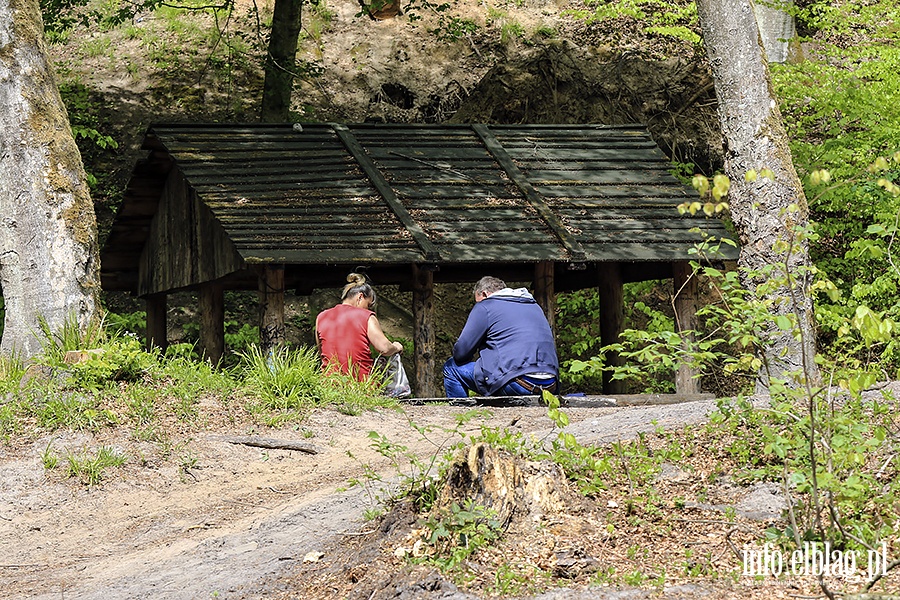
(368,193)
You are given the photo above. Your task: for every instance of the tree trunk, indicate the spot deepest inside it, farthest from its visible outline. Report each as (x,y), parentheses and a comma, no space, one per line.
(48,231)
(777,29)
(281,62)
(755,139)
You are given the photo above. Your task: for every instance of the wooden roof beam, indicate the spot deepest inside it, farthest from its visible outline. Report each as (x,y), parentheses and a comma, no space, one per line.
(387,192)
(496,149)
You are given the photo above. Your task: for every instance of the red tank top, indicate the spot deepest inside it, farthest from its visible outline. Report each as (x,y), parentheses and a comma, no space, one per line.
(344,339)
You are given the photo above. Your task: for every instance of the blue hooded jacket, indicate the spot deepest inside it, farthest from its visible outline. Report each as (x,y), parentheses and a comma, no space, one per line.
(513,336)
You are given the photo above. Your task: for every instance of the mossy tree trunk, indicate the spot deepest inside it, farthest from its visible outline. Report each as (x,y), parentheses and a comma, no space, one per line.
(281,62)
(48,232)
(755,139)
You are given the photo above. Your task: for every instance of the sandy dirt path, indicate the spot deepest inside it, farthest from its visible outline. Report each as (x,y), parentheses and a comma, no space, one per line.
(227,519)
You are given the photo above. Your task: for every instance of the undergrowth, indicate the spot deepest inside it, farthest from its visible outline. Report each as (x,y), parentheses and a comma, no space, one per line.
(91,379)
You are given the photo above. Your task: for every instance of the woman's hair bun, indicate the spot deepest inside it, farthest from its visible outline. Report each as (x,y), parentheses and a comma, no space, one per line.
(356,278)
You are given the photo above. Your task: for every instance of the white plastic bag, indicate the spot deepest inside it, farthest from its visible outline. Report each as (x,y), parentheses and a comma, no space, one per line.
(396,381)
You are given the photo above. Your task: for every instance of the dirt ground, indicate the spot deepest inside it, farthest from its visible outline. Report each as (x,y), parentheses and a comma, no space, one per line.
(198,516)
(227,519)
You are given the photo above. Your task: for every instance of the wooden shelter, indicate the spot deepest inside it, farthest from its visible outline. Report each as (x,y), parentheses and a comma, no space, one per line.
(276,207)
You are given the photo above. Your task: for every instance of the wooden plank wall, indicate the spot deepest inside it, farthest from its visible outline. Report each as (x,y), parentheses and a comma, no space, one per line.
(186,245)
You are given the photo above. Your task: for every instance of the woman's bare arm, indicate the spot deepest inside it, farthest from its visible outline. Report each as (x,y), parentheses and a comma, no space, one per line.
(379,341)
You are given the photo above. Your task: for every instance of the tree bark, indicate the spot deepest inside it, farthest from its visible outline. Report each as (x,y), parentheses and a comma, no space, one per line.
(281,62)
(755,139)
(48,232)
(777,29)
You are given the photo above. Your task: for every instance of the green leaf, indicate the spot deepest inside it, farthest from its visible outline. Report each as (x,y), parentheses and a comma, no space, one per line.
(783,322)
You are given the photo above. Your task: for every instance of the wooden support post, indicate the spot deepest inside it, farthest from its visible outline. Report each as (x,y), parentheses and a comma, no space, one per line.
(423,331)
(686,295)
(212,322)
(612,319)
(271,307)
(545,292)
(155,306)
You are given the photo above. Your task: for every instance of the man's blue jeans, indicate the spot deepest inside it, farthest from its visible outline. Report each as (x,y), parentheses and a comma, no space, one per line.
(459,379)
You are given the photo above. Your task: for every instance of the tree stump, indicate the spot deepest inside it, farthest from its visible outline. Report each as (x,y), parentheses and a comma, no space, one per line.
(508,485)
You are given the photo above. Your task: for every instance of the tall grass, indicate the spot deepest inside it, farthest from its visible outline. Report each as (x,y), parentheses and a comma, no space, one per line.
(70,336)
(118,383)
(289,382)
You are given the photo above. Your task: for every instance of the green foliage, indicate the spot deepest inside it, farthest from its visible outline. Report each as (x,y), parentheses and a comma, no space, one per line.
(867,302)
(449,27)
(240,337)
(458,532)
(873,17)
(119,359)
(841,113)
(134,324)
(835,454)
(12,369)
(283,379)
(675,19)
(100,358)
(87,120)
(70,336)
(597,468)
(581,355)
(189,380)
(48,459)
(59,16)
(842,480)
(578,338)
(288,382)
(86,466)
(72,411)
(416,477)
(519,580)
(319,22)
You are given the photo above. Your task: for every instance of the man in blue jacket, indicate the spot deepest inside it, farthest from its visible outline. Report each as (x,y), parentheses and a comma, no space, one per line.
(517,354)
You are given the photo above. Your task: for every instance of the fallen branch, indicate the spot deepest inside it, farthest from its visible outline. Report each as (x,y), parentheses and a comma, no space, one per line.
(867,596)
(271,443)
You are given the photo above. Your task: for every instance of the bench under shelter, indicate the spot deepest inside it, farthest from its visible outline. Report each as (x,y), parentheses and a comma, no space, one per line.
(276,207)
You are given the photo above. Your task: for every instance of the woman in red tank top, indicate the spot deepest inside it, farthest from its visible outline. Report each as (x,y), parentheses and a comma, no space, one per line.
(345,333)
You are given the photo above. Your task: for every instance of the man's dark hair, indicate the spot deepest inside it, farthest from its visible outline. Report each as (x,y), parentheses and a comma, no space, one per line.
(489,285)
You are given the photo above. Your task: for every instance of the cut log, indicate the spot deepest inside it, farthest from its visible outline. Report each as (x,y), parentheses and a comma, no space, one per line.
(570,401)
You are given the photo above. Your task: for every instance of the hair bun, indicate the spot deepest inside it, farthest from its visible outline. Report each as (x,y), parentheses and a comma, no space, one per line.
(356,278)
